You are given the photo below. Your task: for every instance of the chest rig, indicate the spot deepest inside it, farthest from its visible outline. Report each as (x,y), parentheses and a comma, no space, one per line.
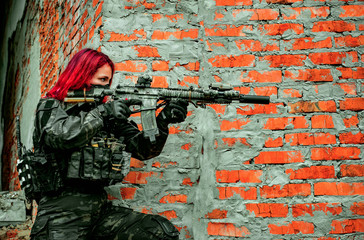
(103,158)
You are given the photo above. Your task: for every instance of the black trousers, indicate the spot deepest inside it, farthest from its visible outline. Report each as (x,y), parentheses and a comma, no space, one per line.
(74,215)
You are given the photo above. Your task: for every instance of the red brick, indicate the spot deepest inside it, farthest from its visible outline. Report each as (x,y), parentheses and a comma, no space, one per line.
(135,163)
(284,122)
(146,51)
(354,104)
(300,210)
(217,214)
(291,93)
(227,31)
(169,214)
(279,157)
(187,181)
(176,34)
(233,2)
(94,3)
(226,229)
(266,91)
(190,81)
(176,130)
(234,176)
(309,107)
(289,190)
(268,209)
(351,121)
(164,165)
(223,61)
(98,10)
(313,172)
(283,1)
(261,76)
(307,43)
(140,177)
(333,26)
(334,58)
(232,141)
(338,189)
(219,109)
(295,139)
(159,82)
(316,12)
(160,65)
(294,227)
(335,153)
(348,87)
(245,193)
(357,208)
(98,23)
(350,138)
(353,170)
(191,66)
(271,108)
(349,41)
(214,45)
(277,61)
(242,90)
(272,143)
(280,28)
(256,46)
(226,125)
(313,75)
(136,4)
(186,146)
(258,14)
(347,226)
(351,11)
(131,66)
(322,121)
(354,73)
(181,198)
(171,18)
(127,192)
(120,37)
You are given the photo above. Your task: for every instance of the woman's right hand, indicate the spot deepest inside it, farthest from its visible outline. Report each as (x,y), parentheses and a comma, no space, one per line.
(118,109)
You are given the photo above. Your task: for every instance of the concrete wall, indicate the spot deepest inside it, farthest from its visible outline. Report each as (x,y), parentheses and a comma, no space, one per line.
(288,170)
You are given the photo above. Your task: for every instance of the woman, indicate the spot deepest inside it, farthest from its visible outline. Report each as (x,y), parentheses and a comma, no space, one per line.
(87,145)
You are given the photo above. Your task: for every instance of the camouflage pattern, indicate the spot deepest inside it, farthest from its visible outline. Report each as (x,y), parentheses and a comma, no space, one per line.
(79,208)
(75,215)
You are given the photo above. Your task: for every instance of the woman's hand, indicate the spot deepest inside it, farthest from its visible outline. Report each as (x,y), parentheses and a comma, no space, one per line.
(118,109)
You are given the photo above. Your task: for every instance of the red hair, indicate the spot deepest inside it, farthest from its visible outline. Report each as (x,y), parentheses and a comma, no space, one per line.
(79,72)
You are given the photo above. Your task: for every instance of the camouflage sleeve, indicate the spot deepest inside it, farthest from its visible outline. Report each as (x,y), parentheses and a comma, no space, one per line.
(139,146)
(58,130)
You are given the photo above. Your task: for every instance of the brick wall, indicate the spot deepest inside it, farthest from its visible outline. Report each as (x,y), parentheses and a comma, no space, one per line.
(292,169)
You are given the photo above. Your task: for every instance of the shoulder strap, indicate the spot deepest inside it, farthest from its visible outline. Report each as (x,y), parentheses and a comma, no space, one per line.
(44,111)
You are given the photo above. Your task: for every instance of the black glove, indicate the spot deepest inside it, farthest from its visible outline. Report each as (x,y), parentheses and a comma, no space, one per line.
(118,109)
(174,112)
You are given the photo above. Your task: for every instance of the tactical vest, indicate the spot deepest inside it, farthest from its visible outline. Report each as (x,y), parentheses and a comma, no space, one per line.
(102,159)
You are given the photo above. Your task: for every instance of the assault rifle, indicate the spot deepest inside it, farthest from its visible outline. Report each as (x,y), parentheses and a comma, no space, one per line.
(216,93)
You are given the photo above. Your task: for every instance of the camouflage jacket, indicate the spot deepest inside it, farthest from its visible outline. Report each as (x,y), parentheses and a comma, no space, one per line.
(61,130)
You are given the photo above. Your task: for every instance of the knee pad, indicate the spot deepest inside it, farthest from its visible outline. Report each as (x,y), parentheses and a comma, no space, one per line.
(160,226)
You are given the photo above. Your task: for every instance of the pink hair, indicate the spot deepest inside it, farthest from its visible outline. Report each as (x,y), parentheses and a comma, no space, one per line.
(79,72)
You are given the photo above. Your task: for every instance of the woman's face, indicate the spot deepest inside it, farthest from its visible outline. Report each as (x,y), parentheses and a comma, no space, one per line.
(102,76)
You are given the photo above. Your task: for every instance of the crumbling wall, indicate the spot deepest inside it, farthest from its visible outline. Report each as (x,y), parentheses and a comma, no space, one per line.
(288,170)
